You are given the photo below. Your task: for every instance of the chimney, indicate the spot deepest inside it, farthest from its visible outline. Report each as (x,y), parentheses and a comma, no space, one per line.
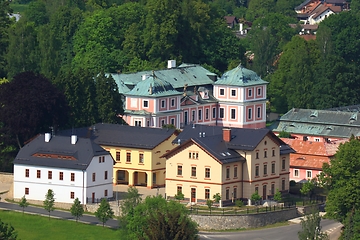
(73,139)
(171,63)
(47,137)
(226,134)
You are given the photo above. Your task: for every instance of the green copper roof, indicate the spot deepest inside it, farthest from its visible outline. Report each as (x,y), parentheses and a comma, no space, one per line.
(240,76)
(190,74)
(152,86)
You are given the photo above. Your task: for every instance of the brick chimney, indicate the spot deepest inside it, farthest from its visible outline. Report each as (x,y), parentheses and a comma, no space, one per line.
(226,134)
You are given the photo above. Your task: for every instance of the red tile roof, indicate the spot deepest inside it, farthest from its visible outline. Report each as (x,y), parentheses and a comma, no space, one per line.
(307,161)
(307,147)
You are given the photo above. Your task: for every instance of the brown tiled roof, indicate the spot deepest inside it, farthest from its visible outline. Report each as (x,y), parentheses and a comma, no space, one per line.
(230,19)
(307,161)
(307,147)
(323,8)
(308,37)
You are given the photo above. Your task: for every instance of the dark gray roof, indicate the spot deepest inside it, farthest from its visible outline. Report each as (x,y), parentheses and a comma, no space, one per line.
(303,4)
(123,135)
(80,153)
(241,139)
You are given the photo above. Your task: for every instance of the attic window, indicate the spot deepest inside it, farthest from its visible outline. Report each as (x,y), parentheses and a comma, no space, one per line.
(314,114)
(353,118)
(175,79)
(227,153)
(292,125)
(223,154)
(329,128)
(194,76)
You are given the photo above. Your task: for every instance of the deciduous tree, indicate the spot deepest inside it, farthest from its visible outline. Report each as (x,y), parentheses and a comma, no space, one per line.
(104,212)
(49,201)
(23,203)
(7,232)
(4,38)
(77,209)
(311,228)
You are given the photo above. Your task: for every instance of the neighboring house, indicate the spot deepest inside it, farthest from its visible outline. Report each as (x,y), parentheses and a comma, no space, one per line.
(234,162)
(72,167)
(190,94)
(306,163)
(231,21)
(135,150)
(319,125)
(315,11)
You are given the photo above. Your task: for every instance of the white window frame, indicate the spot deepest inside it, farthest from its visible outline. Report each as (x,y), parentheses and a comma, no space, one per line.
(231,113)
(258,112)
(223,113)
(298,173)
(173,102)
(220,90)
(258,92)
(147,103)
(163,104)
(249,92)
(249,113)
(233,91)
(307,174)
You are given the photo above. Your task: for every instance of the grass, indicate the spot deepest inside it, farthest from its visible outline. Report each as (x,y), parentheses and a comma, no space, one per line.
(31,227)
(18,8)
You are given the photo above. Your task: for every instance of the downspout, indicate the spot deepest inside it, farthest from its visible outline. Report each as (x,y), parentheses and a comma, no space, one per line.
(242,177)
(83,189)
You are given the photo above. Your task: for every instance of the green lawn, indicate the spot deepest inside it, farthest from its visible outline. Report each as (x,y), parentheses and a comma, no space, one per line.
(18,8)
(37,227)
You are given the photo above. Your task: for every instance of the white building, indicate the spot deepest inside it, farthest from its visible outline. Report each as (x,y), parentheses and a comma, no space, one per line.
(72,167)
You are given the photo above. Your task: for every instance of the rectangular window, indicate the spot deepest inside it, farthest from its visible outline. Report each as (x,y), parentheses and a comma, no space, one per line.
(162,103)
(308,173)
(106,175)
(61,176)
(296,172)
(272,189)
(233,113)
(128,157)
(146,103)
(72,177)
(273,168)
(265,153)
(256,171)
(265,169)
(137,123)
(221,114)
(227,173)
(172,102)
(193,155)
(235,193)
(233,92)
(273,152)
(227,194)
(258,112)
(257,189)
(283,164)
(72,195)
(200,114)
(93,177)
(193,171)
(207,172)
(179,170)
(193,115)
(317,139)
(172,121)
(38,173)
(235,172)
(207,113)
(283,184)
(249,92)
(249,113)
(207,193)
(27,172)
(179,189)
(214,113)
(162,122)
(49,174)
(99,159)
(259,91)
(141,158)
(257,155)
(105,192)
(222,92)
(26,191)
(118,156)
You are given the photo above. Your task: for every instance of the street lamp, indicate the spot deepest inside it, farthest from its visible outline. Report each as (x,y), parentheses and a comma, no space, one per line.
(232,197)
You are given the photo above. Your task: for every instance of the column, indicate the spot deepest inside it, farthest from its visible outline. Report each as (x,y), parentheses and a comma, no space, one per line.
(149,179)
(131,177)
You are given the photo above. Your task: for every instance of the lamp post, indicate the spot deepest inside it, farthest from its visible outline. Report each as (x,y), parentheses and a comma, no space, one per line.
(232,197)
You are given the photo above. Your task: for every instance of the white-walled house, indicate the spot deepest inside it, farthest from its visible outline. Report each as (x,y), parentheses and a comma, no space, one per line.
(72,167)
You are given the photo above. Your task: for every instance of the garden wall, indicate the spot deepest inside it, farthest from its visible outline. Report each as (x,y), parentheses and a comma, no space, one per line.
(226,222)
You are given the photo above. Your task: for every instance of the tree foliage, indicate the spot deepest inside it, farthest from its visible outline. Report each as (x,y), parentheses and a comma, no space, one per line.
(39,105)
(157,218)
(132,199)
(104,212)
(255,197)
(23,203)
(77,209)
(341,178)
(7,232)
(4,39)
(311,228)
(278,196)
(49,202)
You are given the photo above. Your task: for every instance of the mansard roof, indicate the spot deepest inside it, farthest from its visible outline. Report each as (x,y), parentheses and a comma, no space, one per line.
(240,76)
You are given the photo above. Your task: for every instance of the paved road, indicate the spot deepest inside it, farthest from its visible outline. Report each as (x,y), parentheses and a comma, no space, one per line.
(113,223)
(278,233)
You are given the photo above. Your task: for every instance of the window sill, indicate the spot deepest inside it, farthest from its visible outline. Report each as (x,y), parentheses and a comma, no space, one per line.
(207,178)
(193,177)
(179,176)
(257,176)
(265,175)
(141,164)
(235,177)
(128,162)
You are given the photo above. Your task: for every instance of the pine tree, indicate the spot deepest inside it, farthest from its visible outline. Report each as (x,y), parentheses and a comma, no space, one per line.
(49,201)
(76,209)
(104,212)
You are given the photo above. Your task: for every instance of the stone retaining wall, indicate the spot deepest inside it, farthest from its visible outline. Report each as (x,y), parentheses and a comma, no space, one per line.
(226,222)
(6,177)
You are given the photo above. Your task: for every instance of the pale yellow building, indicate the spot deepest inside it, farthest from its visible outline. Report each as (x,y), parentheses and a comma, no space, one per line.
(233,162)
(136,152)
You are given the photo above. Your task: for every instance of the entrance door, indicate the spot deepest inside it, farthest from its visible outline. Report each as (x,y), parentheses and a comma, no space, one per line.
(185,118)
(93,197)
(193,194)
(264,192)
